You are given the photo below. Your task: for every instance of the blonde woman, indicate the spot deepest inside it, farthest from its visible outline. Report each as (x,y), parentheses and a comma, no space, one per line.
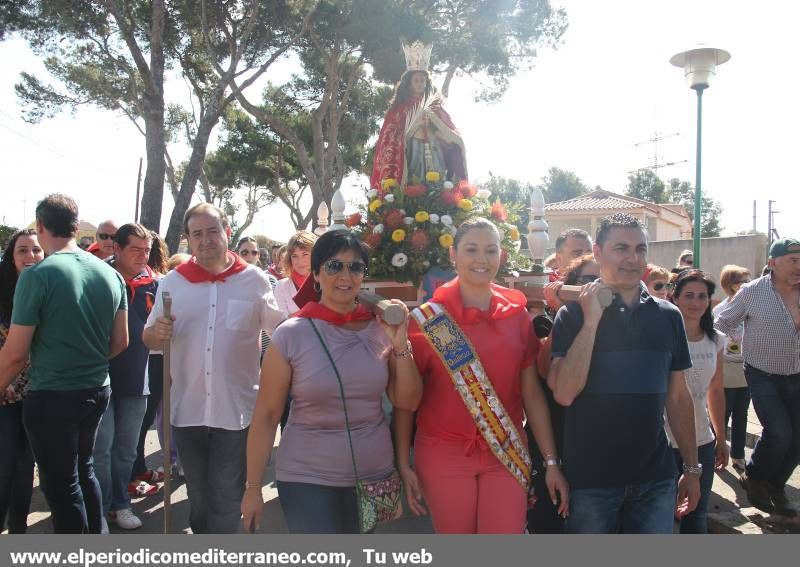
(737,394)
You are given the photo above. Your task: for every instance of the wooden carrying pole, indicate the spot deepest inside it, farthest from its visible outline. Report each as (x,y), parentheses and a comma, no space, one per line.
(166,422)
(391,313)
(535,292)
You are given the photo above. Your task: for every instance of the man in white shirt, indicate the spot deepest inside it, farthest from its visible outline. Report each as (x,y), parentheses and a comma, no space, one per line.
(220,305)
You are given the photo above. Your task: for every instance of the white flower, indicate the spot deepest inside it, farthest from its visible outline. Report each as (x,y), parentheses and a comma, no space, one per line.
(434,218)
(389,198)
(483,194)
(408,221)
(447,220)
(447,185)
(399,260)
(372,193)
(426,264)
(378,229)
(452,230)
(402,211)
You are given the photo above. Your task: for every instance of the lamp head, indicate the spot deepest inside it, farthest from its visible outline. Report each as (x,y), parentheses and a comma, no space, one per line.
(700,64)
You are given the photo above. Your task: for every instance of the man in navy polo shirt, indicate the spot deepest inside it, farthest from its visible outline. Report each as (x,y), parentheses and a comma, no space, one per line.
(118,434)
(617,370)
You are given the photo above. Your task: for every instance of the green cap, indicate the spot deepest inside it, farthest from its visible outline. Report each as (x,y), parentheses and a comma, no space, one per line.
(784,246)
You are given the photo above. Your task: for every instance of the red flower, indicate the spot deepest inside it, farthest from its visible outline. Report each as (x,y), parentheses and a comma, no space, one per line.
(467,190)
(373,240)
(419,240)
(393,219)
(415,190)
(451,197)
(353,220)
(499,212)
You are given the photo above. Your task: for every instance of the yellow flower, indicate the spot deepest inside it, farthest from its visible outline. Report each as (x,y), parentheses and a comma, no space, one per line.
(375,205)
(421,216)
(399,235)
(388,183)
(513,234)
(465,205)
(432,176)
(446,240)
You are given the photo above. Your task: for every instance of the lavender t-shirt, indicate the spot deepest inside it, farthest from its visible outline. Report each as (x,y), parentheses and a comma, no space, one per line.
(314,447)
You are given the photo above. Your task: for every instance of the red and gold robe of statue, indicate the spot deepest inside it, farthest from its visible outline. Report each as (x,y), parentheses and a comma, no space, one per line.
(407,121)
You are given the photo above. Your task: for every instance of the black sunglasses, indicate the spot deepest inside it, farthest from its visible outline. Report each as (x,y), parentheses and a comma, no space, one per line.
(588,278)
(334,266)
(248,253)
(658,286)
(105,235)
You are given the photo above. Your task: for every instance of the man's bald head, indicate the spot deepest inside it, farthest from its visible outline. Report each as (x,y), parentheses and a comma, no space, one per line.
(106,231)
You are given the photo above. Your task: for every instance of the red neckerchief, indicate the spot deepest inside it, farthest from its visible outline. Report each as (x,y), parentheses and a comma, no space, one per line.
(314,310)
(195,273)
(141,279)
(94,248)
(298,280)
(505,302)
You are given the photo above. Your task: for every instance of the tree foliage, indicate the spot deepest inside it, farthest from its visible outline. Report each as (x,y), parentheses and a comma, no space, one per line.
(647,186)
(561,185)
(682,192)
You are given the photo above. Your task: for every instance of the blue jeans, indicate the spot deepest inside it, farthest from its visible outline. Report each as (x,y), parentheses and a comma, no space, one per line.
(214,462)
(644,508)
(737,402)
(115,449)
(61,427)
(16,470)
(776,400)
(317,509)
(696,522)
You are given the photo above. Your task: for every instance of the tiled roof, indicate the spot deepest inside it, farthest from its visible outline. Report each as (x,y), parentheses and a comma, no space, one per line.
(675,208)
(601,200)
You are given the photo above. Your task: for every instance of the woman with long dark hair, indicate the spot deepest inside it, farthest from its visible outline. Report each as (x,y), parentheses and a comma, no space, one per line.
(692,295)
(16,458)
(417,137)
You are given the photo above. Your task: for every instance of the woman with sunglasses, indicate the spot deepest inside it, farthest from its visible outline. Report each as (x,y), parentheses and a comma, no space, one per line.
(315,476)
(692,295)
(16,458)
(657,281)
(474,347)
(295,265)
(737,394)
(247,248)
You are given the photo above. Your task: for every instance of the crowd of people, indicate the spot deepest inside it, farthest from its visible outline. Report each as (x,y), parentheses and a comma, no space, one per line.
(596,418)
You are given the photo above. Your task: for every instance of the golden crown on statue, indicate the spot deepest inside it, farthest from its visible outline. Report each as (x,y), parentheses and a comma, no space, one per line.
(418,56)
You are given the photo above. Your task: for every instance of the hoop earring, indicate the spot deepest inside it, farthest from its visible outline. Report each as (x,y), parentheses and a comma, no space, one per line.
(317,287)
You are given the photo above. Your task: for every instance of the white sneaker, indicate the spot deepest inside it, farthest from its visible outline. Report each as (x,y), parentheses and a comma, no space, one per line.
(103,526)
(125,519)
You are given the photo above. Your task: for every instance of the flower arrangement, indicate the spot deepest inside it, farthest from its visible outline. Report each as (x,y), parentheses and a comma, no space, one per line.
(412,228)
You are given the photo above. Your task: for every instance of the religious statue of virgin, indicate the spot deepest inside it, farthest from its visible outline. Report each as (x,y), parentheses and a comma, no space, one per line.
(417,136)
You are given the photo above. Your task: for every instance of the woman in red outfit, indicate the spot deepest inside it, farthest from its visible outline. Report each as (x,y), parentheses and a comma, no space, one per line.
(472,345)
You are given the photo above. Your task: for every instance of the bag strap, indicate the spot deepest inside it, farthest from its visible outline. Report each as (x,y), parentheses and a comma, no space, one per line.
(341,393)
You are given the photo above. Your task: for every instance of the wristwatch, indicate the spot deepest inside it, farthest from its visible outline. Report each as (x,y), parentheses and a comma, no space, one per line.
(689,469)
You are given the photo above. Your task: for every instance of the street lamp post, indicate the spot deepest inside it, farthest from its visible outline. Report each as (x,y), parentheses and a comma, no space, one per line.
(699,65)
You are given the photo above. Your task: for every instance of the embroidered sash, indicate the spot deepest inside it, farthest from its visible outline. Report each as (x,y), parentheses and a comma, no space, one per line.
(471,381)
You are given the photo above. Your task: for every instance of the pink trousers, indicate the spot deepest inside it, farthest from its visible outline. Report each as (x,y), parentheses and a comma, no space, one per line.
(467,489)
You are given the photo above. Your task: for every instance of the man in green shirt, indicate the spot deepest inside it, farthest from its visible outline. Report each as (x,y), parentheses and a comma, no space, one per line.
(70,317)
